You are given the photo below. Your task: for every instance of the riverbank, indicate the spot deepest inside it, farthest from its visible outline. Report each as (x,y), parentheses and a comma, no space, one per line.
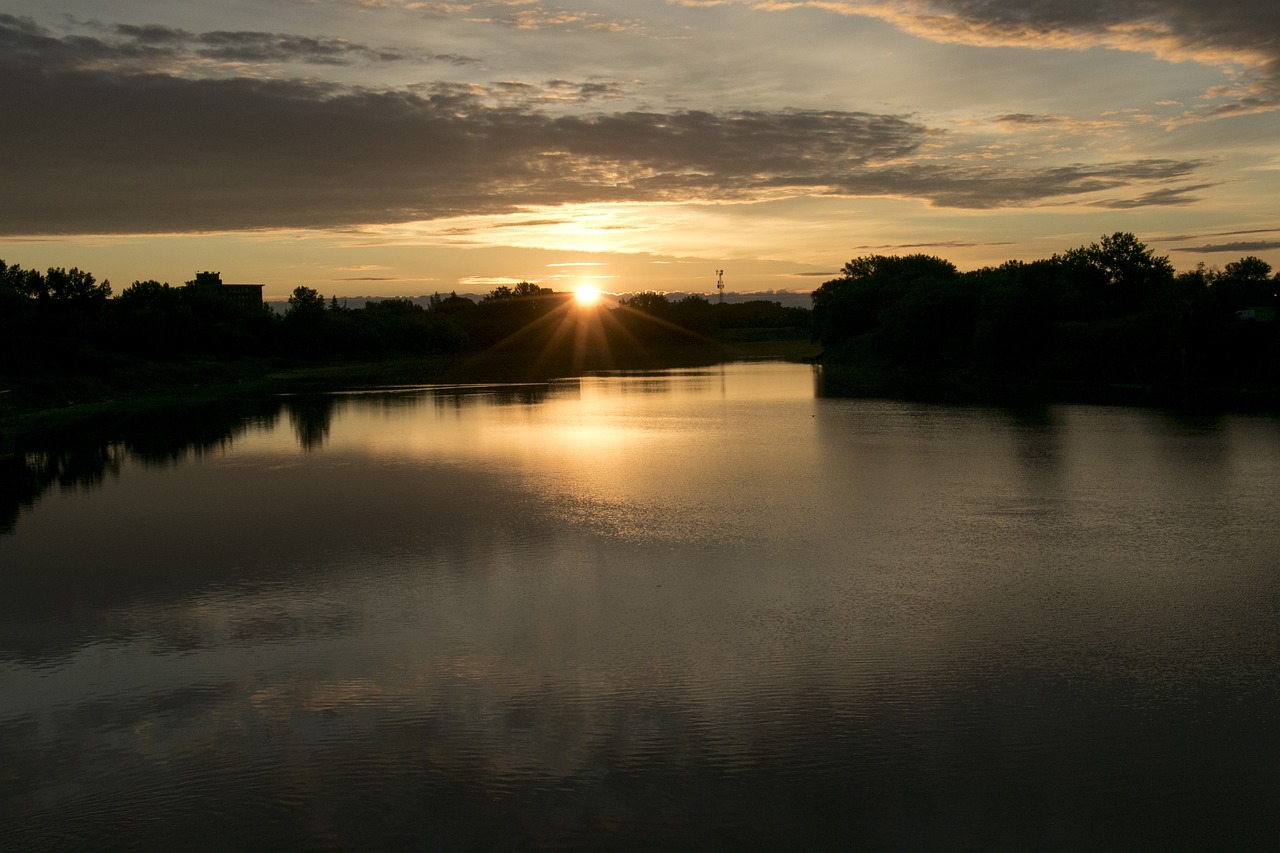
(55,399)
(841,379)
(59,399)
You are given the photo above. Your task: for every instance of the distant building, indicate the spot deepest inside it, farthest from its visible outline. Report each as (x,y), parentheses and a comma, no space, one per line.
(249,295)
(244,294)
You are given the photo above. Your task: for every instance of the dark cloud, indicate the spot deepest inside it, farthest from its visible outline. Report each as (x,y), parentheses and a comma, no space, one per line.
(1179,238)
(937,244)
(99,150)
(107,152)
(524,16)
(1248,246)
(1025,119)
(137,49)
(274,47)
(519,94)
(152,34)
(530,223)
(1164,197)
(470,230)
(1229,23)
(985,187)
(1223,32)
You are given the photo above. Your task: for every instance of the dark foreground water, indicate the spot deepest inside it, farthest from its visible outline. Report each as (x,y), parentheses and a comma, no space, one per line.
(687,610)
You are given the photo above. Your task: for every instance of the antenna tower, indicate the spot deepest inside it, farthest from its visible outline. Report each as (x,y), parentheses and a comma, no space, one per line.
(720,284)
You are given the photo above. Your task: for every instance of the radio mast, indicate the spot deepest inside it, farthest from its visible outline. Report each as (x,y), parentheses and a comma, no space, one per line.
(720,284)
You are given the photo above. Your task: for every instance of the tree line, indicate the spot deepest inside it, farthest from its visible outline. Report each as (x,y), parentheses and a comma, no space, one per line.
(652,316)
(66,325)
(1108,314)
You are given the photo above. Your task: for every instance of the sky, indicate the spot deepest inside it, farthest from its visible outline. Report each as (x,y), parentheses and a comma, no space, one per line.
(406,147)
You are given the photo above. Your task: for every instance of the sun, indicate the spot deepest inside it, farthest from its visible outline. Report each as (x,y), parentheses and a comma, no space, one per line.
(586,295)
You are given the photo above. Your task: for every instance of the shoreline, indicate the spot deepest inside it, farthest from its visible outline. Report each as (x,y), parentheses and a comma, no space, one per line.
(195,383)
(165,386)
(841,379)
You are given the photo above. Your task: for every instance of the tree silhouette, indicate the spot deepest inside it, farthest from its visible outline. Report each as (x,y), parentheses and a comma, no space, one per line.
(1102,315)
(648,302)
(305,302)
(526,288)
(1245,284)
(75,285)
(1119,271)
(862,299)
(522,290)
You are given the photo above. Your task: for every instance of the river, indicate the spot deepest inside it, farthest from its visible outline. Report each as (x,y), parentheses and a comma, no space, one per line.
(689,609)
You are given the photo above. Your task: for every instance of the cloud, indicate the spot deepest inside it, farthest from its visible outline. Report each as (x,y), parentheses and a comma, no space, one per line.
(1235,35)
(492,281)
(245,46)
(153,48)
(1178,238)
(987,187)
(520,95)
(1245,246)
(518,14)
(107,151)
(1026,119)
(1164,197)
(936,244)
(1026,122)
(538,18)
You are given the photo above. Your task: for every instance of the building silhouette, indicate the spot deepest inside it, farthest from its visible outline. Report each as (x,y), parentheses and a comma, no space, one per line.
(249,295)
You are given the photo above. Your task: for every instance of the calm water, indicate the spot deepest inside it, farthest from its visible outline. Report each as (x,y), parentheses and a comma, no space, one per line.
(691,609)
